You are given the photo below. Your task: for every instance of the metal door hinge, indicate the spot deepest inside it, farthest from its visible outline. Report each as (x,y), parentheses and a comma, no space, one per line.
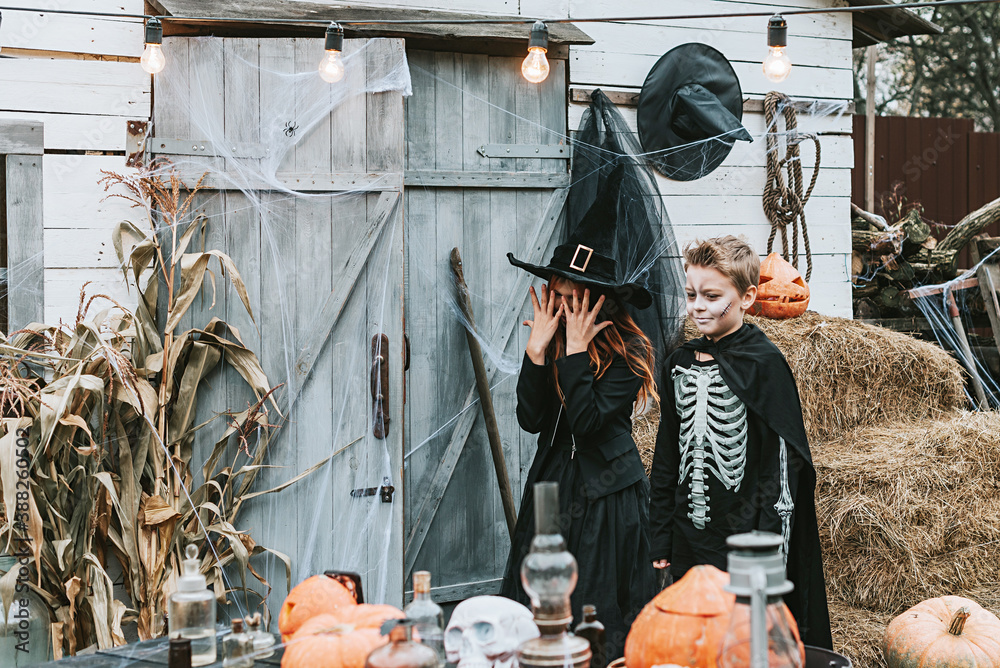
(385,491)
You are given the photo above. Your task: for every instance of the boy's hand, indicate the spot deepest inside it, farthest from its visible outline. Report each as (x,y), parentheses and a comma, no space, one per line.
(544,324)
(581,327)
(661,564)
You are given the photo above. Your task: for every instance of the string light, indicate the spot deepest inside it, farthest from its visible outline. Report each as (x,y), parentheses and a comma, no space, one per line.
(152,59)
(535,67)
(777,65)
(331,68)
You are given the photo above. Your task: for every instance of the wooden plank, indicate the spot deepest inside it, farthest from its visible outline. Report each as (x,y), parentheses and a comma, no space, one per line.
(630,98)
(654,40)
(505,328)
(385,298)
(102,88)
(103,35)
(74,200)
(25,253)
(442,178)
(599,67)
(75,131)
(21,137)
(826,238)
(989,283)
(62,291)
(750,181)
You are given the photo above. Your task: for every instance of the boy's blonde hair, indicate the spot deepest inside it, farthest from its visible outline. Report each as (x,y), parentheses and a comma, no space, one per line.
(730,256)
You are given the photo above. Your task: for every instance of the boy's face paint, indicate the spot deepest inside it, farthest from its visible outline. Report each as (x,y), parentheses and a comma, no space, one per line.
(713,302)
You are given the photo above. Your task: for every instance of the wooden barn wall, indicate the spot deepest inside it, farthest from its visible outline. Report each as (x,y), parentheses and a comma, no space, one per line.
(729,199)
(79,76)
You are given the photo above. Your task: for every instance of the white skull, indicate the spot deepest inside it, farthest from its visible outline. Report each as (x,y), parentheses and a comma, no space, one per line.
(485,632)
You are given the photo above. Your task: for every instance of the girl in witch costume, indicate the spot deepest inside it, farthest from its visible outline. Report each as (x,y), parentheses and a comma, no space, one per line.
(585,366)
(731,452)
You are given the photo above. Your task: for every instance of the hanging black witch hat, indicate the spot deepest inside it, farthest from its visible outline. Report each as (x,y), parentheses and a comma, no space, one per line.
(587,257)
(690,112)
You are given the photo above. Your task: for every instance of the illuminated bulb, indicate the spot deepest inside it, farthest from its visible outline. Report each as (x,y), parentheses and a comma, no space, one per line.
(535,67)
(777,65)
(331,68)
(152,59)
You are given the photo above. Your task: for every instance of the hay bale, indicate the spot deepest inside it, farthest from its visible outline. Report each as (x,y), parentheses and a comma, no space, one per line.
(858,634)
(911,511)
(851,374)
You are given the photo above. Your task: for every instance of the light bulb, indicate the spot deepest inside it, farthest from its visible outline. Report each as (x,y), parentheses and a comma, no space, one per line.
(331,68)
(535,67)
(777,65)
(152,59)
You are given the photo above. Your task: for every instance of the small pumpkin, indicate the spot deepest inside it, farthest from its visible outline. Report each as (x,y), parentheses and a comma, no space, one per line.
(782,292)
(950,631)
(325,642)
(313,596)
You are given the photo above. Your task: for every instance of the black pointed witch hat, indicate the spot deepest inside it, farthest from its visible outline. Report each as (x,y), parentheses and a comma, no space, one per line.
(587,257)
(690,112)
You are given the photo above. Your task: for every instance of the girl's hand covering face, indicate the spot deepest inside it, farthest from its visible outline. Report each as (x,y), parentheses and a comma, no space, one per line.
(545,322)
(581,321)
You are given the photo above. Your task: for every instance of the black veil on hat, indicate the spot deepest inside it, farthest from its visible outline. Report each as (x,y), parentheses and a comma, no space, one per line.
(614,190)
(690,112)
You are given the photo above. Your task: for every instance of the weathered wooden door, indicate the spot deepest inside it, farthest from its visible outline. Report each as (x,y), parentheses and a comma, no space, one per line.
(323,263)
(486,170)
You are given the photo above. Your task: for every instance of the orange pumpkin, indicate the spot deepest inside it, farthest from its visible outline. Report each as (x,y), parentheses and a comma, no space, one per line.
(324,642)
(782,292)
(949,631)
(685,623)
(313,596)
(368,615)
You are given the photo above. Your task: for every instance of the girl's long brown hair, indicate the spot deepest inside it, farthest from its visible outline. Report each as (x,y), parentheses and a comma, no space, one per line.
(622,338)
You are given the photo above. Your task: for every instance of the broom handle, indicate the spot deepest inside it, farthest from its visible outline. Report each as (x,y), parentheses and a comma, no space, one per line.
(485,397)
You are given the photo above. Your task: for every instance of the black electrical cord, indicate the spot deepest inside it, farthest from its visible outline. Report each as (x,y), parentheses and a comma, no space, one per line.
(508,21)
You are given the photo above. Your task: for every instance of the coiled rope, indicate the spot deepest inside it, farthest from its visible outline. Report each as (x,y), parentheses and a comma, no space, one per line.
(785,205)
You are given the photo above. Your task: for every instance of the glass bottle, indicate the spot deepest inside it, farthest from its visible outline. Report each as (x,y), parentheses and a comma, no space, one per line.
(262,640)
(427,616)
(237,647)
(593,631)
(759,635)
(24,629)
(179,654)
(402,651)
(192,611)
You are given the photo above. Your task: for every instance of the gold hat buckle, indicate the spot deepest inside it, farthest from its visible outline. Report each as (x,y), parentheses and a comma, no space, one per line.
(590,253)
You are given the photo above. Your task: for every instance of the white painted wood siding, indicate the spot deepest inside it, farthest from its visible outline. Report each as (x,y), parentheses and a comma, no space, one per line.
(83,104)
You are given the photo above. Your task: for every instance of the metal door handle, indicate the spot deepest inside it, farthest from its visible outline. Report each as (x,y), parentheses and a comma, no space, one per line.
(380,385)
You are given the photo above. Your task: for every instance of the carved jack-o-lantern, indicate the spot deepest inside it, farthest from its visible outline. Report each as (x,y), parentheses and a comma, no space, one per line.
(782,292)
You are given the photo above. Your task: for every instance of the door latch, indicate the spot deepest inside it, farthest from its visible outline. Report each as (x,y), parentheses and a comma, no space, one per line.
(385,491)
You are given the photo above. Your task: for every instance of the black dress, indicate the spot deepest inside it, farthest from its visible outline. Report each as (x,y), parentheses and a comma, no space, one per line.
(603,489)
(732,457)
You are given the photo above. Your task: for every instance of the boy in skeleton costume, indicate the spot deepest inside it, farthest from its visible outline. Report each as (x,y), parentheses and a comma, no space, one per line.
(731,452)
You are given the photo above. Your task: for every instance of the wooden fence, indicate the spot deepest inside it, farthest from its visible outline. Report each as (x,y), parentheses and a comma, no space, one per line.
(943,164)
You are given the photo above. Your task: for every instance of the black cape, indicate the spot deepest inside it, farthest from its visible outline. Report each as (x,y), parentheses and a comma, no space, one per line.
(759,375)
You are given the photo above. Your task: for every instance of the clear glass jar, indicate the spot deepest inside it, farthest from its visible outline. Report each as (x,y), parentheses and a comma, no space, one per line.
(402,651)
(782,650)
(24,633)
(262,639)
(192,611)
(427,616)
(237,647)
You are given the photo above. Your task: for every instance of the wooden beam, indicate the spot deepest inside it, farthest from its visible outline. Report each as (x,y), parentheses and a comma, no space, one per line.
(439,178)
(25,260)
(21,137)
(507,322)
(298,181)
(872,54)
(559,33)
